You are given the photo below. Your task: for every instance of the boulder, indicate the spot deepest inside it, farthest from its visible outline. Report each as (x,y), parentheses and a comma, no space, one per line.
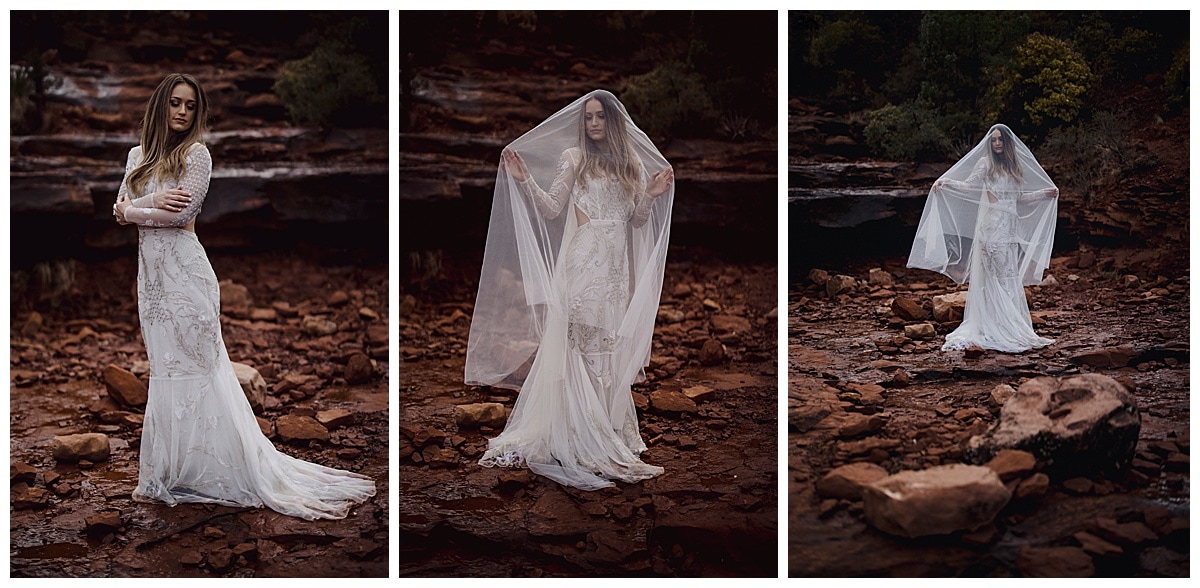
(318,326)
(253,385)
(1000,394)
(235,297)
(1033,486)
(818,276)
(84,446)
(124,387)
(880,277)
(1054,562)
(920,331)
(838,284)
(672,401)
(712,353)
(359,369)
(936,501)
(948,308)
(1012,463)
(848,481)
(1106,358)
(482,414)
(728,323)
(1081,423)
(292,427)
(909,309)
(335,418)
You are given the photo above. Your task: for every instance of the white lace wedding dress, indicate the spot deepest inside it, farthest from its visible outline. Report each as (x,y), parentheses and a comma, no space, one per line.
(574,420)
(997,314)
(200,440)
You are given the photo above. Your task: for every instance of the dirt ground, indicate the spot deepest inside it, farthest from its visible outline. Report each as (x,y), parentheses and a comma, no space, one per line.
(930,402)
(714,511)
(62,519)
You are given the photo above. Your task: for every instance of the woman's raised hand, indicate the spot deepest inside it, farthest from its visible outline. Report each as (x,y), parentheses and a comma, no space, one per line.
(660,182)
(1052,192)
(173,200)
(515,165)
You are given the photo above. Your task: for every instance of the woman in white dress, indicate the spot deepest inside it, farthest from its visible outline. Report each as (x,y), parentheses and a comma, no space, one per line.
(989,221)
(569,292)
(200,440)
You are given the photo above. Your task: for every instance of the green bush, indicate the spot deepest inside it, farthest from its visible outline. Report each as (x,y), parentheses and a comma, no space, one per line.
(671,99)
(1176,82)
(1042,88)
(330,87)
(906,132)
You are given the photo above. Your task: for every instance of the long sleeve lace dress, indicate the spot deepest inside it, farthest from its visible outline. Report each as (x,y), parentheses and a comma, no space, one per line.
(574,421)
(200,440)
(997,314)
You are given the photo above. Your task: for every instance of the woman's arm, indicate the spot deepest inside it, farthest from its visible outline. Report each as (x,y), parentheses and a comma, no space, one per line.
(550,204)
(194,182)
(1036,195)
(651,189)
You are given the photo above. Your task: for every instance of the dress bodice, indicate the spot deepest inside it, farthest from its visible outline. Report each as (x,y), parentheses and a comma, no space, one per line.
(602,199)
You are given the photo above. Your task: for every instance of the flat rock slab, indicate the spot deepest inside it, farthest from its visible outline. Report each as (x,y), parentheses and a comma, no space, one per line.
(1054,562)
(848,481)
(1082,423)
(936,501)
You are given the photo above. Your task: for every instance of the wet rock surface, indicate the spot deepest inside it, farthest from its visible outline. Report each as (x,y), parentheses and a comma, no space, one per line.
(850,360)
(712,428)
(77,518)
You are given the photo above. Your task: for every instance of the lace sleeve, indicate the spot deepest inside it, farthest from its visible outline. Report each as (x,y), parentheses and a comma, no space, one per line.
(194,181)
(642,202)
(130,163)
(550,204)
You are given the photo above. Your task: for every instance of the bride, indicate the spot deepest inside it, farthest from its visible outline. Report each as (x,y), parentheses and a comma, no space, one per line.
(200,440)
(989,221)
(569,291)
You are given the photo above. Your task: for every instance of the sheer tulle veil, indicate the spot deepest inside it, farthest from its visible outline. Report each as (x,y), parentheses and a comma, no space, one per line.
(517,294)
(949,223)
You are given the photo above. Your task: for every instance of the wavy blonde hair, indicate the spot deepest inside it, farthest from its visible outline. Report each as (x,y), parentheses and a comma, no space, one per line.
(1006,162)
(163,150)
(618,159)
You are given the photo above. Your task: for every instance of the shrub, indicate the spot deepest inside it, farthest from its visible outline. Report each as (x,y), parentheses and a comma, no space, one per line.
(331,87)
(671,99)
(905,132)
(1176,83)
(1047,82)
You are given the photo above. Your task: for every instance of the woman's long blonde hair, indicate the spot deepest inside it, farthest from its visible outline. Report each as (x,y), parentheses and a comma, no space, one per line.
(164,150)
(1006,162)
(618,160)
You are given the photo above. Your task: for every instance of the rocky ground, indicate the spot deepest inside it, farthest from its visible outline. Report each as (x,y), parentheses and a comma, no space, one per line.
(869,385)
(317,334)
(707,412)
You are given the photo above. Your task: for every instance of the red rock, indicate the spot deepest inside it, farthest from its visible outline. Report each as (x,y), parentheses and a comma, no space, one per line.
(870,394)
(318,326)
(246,550)
(712,353)
(1012,463)
(1054,562)
(221,560)
(1036,485)
(359,369)
(265,426)
(556,515)
(1097,546)
(300,428)
(490,414)
(727,323)
(856,425)
(335,418)
(818,276)
(235,298)
(672,401)
(920,332)
(838,284)
(1106,358)
(948,308)
(21,472)
(1127,534)
(974,352)
(338,298)
(1078,485)
(190,558)
(698,393)
(23,497)
(908,309)
(880,277)
(252,383)
(640,402)
(848,481)
(84,446)
(936,501)
(124,387)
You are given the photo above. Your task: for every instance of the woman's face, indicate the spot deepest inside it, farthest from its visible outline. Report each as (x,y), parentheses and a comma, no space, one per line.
(997,142)
(594,122)
(181,109)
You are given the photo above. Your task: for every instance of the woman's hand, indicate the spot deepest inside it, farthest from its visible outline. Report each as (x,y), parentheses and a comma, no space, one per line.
(119,209)
(173,200)
(515,165)
(938,184)
(1051,192)
(660,182)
